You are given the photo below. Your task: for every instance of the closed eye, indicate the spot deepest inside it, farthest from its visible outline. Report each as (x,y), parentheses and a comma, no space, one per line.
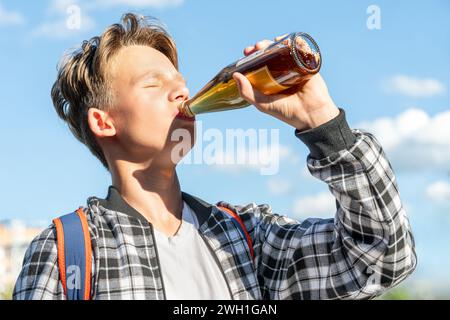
(151,85)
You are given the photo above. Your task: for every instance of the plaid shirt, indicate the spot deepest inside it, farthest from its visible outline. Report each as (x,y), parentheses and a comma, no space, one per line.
(367,248)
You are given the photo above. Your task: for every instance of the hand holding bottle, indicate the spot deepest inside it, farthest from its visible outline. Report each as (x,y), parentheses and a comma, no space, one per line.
(304,106)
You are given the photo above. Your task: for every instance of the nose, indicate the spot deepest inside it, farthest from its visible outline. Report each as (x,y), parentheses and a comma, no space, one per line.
(179,92)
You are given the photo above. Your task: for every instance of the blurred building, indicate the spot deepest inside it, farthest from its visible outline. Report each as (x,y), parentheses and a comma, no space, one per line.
(15,236)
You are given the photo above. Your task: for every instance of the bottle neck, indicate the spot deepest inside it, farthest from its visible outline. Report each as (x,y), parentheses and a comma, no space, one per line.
(185,109)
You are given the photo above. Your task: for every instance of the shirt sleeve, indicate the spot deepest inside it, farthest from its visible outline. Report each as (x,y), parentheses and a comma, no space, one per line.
(365,249)
(39,278)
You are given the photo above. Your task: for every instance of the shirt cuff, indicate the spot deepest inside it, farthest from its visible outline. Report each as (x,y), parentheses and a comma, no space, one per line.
(328,138)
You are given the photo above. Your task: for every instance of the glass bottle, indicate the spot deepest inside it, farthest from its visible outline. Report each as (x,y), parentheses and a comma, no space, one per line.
(283,64)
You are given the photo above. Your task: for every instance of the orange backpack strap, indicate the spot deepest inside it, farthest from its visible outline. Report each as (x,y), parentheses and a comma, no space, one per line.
(238,222)
(74,254)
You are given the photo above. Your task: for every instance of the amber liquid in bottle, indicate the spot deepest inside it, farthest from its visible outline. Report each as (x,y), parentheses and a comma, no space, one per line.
(284,64)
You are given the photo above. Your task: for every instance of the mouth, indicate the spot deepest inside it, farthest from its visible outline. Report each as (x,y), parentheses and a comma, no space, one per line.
(182,116)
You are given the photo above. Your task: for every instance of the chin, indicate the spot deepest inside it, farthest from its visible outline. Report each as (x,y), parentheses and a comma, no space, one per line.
(179,141)
(177,150)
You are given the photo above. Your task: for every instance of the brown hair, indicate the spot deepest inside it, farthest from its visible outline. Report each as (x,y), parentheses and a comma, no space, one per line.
(82,79)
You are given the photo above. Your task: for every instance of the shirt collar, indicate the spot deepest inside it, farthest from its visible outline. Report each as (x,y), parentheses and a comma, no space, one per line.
(114,201)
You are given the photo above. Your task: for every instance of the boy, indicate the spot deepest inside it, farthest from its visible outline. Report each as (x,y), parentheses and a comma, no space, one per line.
(119,95)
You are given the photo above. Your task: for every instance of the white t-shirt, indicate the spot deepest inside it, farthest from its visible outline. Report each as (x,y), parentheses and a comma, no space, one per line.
(188,268)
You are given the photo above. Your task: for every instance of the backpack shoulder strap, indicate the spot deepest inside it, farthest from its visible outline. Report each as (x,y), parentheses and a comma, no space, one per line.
(241,227)
(74,254)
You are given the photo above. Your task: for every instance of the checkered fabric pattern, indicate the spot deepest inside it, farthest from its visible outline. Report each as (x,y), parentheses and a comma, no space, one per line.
(365,249)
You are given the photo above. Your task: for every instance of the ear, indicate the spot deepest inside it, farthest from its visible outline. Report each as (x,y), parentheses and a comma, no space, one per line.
(101,123)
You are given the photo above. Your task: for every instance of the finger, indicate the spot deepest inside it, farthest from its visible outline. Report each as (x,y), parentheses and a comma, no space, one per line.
(246,89)
(263,44)
(258,46)
(244,86)
(249,50)
(280,37)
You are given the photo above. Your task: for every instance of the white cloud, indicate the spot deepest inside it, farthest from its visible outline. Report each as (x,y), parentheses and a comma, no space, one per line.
(61,6)
(320,205)
(65,13)
(414,87)
(9,18)
(136,3)
(439,191)
(295,160)
(61,28)
(306,175)
(414,140)
(279,186)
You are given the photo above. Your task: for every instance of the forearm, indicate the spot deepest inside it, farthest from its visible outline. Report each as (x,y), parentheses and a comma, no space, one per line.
(370,219)
(365,249)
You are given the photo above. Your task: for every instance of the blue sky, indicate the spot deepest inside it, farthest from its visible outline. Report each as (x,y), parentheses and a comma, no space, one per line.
(393,81)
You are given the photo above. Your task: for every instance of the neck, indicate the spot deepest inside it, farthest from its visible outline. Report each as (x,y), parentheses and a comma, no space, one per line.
(153,191)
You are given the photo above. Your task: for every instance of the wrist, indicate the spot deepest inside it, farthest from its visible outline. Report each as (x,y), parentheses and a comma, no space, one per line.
(329,138)
(316,117)
(319,116)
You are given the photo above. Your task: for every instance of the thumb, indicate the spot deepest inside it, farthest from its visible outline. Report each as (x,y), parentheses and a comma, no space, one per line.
(245,88)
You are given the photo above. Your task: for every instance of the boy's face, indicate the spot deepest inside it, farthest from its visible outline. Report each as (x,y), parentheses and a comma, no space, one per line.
(147,90)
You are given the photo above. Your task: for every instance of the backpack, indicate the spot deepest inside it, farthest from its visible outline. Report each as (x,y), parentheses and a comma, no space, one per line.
(75,251)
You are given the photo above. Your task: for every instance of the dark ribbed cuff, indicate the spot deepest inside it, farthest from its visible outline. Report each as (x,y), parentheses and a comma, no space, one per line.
(328,138)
